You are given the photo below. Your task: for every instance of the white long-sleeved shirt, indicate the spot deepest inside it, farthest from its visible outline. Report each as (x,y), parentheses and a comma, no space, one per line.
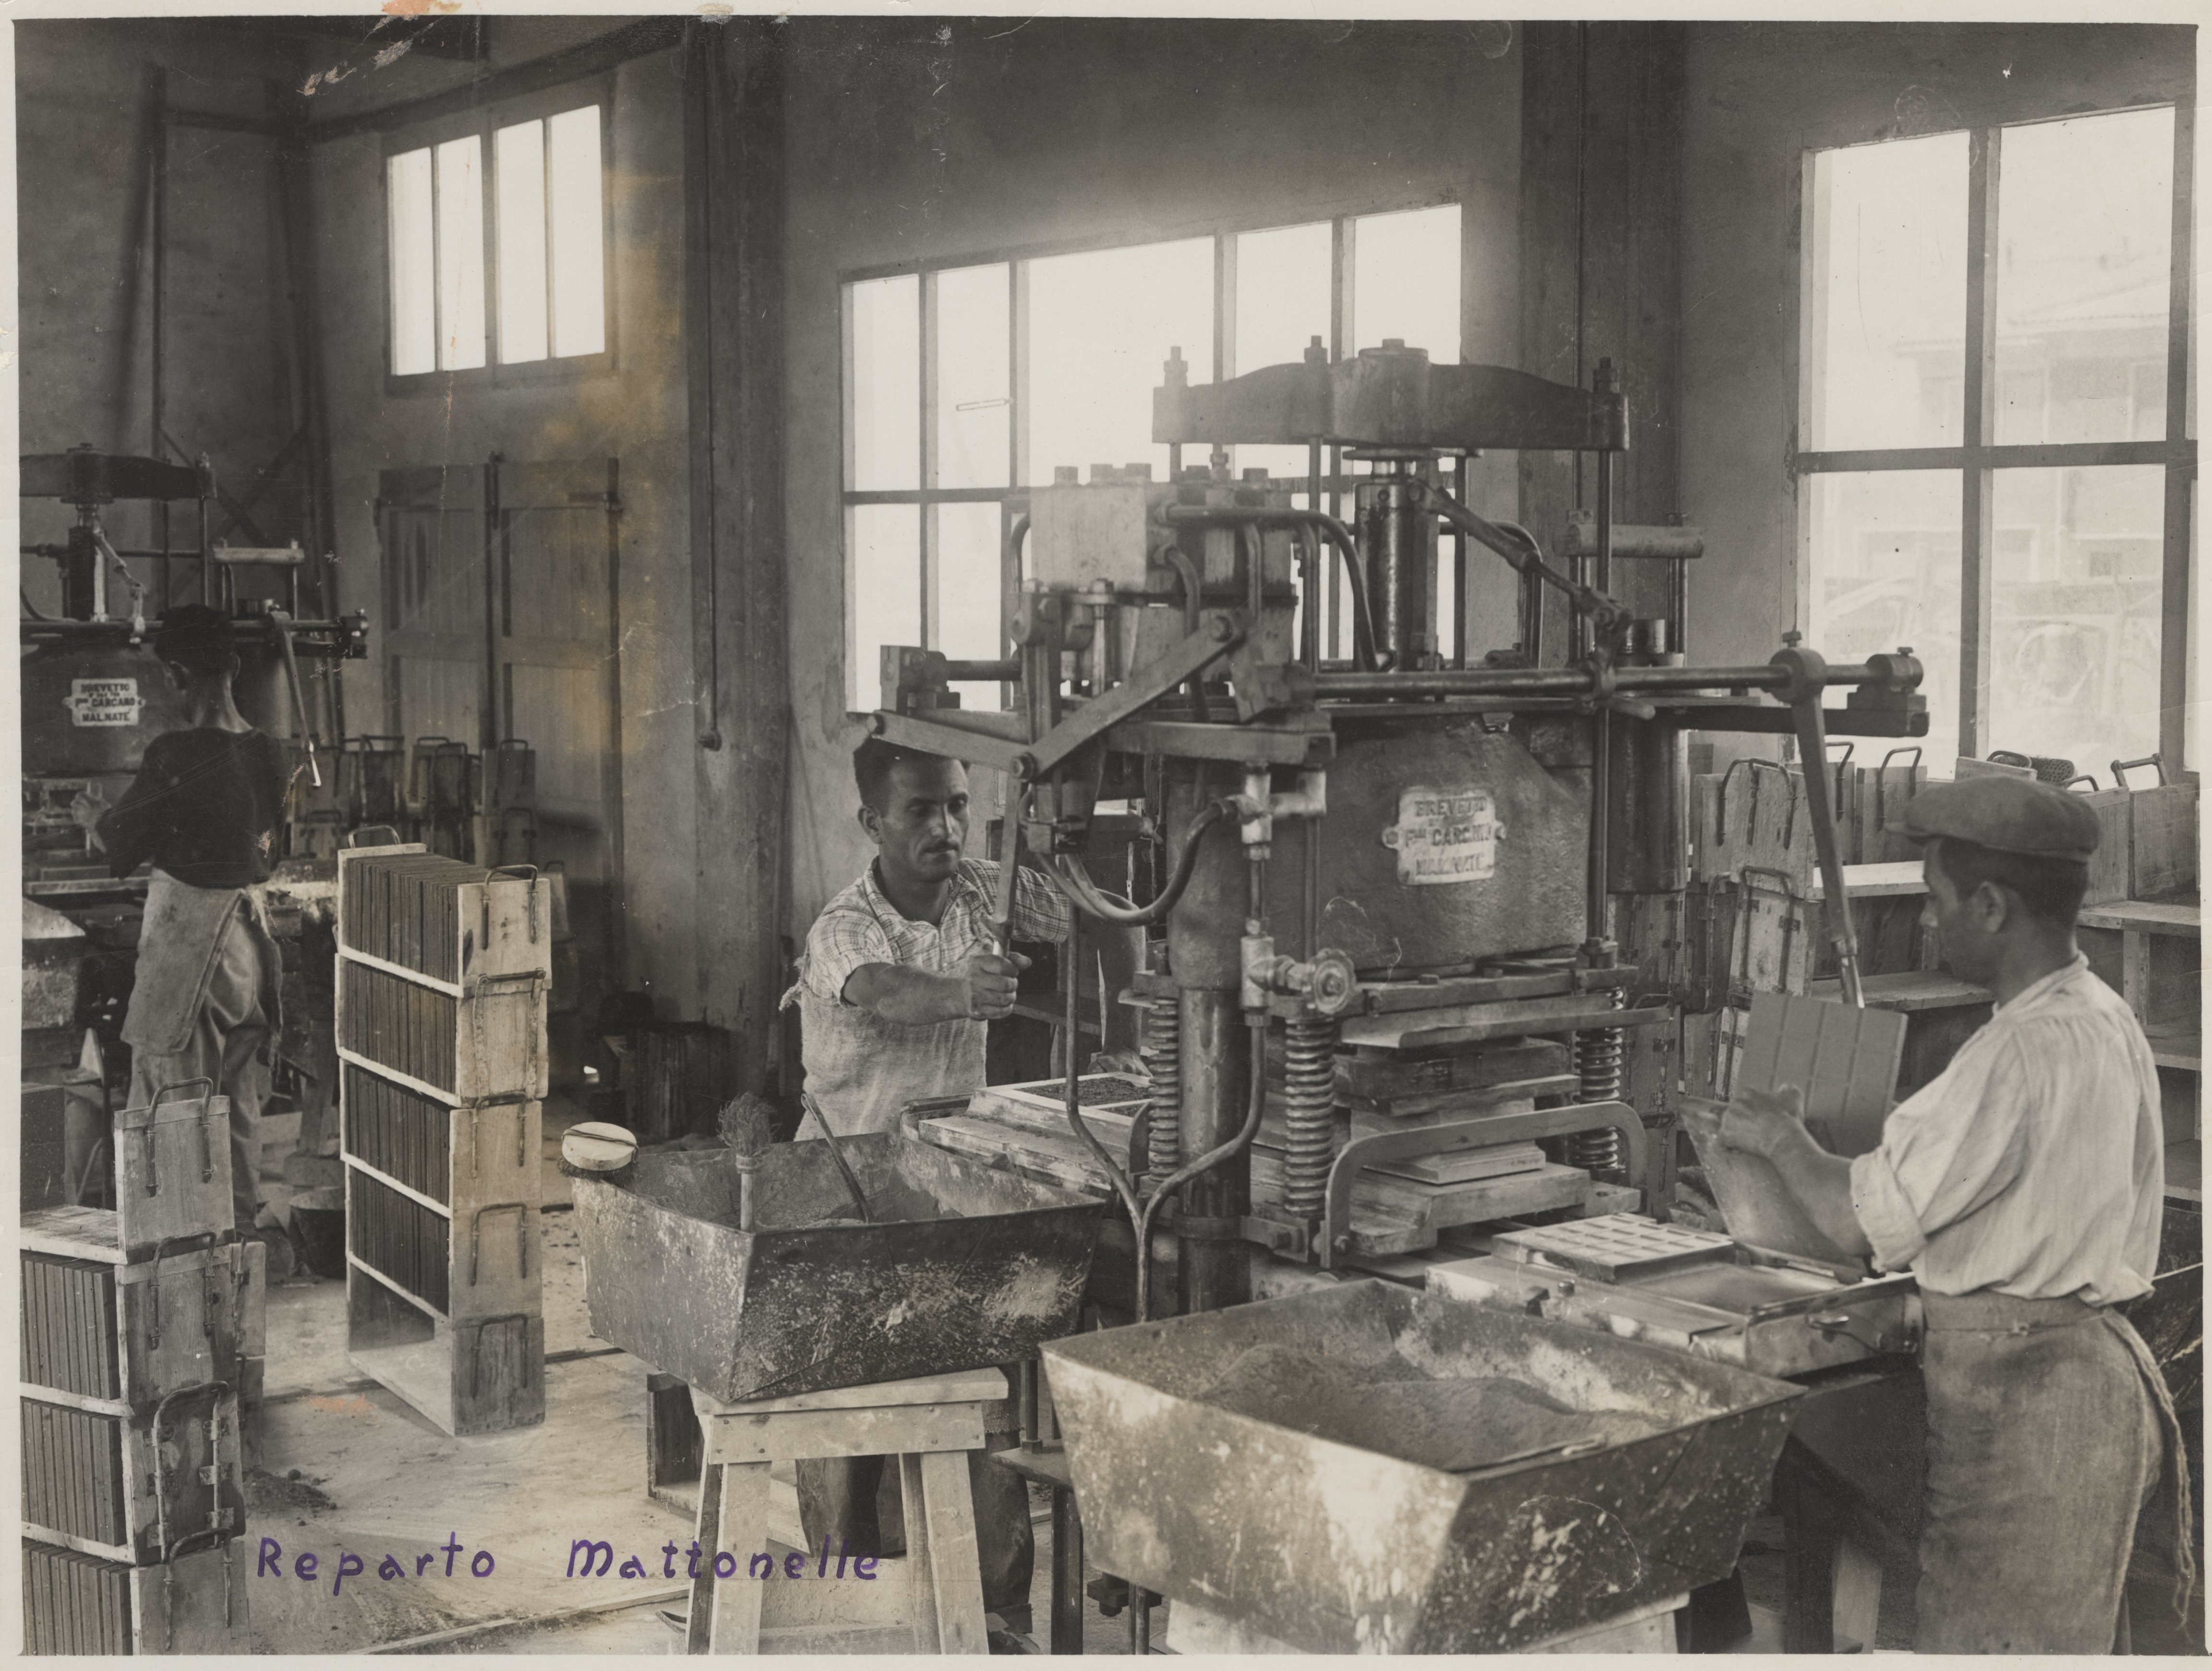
(2034,1165)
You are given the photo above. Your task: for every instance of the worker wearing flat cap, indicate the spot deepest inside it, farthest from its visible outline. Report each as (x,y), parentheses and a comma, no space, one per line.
(2022,1188)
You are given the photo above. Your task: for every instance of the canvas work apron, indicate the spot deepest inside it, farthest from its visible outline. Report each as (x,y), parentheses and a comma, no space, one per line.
(2048,1421)
(205,1004)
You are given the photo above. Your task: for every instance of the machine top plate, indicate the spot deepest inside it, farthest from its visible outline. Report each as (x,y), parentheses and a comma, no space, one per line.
(1617,1247)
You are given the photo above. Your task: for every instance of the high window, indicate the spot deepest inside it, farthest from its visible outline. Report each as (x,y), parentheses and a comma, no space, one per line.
(969,381)
(1995,463)
(498,246)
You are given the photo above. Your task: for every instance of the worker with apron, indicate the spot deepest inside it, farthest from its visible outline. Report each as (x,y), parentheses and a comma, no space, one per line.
(204,809)
(902,971)
(2022,1187)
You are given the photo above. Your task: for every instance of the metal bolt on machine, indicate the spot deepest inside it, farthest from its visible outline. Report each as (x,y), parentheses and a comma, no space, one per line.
(1382,875)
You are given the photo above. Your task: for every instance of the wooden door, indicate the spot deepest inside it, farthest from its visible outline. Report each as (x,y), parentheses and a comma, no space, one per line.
(555,653)
(431,522)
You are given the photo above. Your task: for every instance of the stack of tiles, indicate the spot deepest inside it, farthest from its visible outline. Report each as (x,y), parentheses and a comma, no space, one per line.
(444,977)
(142,1335)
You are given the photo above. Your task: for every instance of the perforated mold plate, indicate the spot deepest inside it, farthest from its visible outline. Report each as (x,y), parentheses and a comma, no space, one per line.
(1615,1247)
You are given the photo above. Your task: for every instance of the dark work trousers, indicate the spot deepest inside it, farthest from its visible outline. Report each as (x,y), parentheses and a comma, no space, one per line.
(2047,1424)
(850,1500)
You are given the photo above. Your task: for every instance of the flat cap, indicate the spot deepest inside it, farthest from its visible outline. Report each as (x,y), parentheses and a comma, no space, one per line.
(2006,814)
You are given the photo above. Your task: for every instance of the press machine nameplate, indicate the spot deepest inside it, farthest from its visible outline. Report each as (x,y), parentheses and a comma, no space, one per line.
(1444,835)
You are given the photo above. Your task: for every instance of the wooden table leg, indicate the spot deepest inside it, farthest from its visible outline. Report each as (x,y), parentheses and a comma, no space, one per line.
(737,1612)
(702,1586)
(948,1569)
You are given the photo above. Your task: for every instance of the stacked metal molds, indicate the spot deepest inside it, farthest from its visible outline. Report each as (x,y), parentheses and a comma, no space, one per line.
(143,1336)
(444,977)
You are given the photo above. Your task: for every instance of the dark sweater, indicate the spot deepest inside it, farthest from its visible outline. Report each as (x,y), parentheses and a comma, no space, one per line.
(202,808)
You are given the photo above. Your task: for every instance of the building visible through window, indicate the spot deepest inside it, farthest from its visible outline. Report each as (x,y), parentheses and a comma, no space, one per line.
(1052,360)
(1984,416)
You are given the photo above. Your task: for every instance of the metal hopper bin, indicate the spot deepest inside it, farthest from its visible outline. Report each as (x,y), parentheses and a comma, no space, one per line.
(961,1266)
(1335,1547)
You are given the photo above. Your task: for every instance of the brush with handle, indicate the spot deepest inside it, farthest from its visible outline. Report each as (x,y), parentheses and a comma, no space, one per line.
(743,1125)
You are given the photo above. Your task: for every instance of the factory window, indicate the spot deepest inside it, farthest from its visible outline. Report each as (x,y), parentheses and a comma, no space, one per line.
(1996,465)
(514,271)
(967,382)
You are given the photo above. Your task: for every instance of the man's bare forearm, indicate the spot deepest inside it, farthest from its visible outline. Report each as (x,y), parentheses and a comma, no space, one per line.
(1822,1185)
(911,997)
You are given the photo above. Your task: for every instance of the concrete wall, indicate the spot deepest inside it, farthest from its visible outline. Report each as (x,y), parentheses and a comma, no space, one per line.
(85,135)
(638,415)
(925,140)
(1758,96)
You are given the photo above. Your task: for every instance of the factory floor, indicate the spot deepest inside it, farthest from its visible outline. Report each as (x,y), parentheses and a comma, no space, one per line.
(349,1470)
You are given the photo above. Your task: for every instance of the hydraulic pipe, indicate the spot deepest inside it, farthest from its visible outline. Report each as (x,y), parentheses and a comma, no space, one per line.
(1077,883)
(984,672)
(1575,681)
(1366,645)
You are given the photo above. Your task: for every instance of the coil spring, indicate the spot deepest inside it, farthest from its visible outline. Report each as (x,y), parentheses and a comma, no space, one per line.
(1309,1115)
(1598,1055)
(1163,1054)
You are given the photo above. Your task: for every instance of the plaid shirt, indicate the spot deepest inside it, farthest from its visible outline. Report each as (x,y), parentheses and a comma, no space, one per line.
(862,1069)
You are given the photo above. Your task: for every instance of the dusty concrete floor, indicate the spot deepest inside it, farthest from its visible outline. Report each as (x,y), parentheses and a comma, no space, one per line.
(350,1474)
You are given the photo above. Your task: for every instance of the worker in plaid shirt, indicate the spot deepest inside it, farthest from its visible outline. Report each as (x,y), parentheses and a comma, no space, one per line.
(902,973)
(902,969)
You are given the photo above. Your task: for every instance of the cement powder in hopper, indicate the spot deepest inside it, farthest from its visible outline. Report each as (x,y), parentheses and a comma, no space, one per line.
(1449,1424)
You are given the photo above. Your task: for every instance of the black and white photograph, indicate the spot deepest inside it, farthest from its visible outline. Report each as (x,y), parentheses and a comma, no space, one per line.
(889,830)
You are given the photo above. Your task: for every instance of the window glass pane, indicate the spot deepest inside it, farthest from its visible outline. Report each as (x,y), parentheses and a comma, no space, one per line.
(576,232)
(1886,575)
(460,254)
(519,153)
(1886,272)
(414,275)
(883,594)
(1282,304)
(886,415)
(967,592)
(1100,325)
(2085,228)
(973,410)
(2075,623)
(1405,281)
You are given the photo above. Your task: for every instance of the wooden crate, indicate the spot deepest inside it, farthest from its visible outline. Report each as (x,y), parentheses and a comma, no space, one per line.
(502,925)
(2108,866)
(89,1470)
(1885,789)
(136,1334)
(481,1040)
(172,1171)
(444,1272)
(484,1375)
(77,1603)
(2162,840)
(442,1239)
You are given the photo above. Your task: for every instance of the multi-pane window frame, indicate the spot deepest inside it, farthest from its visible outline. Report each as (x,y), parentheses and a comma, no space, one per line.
(1978,457)
(1337,485)
(483,123)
